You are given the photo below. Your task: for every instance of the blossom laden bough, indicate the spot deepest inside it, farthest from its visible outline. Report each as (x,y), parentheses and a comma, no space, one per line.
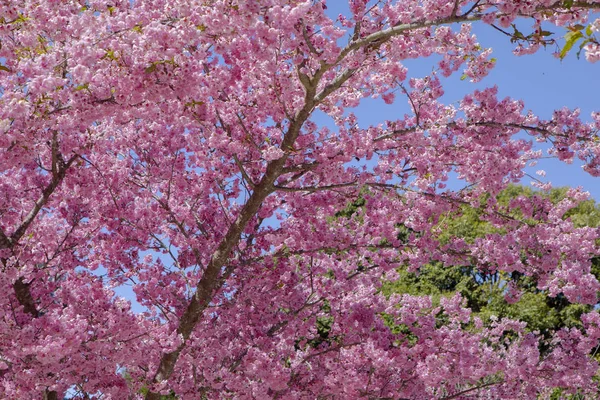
(176,148)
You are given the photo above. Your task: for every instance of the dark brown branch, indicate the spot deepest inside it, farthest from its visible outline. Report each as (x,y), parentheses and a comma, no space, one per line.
(335,84)
(455,395)
(310,45)
(329,350)
(501,30)
(300,168)
(246,177)
(25,298)
(246,131)
(57,178)
(455,8)
(5,242)
(473,7)
(468,124)
(21,289)
(314,188)
(50,395)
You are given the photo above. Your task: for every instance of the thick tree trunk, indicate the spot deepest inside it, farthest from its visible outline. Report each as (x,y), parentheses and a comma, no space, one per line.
(25,299)
(50,395)
(211,281)
(21,289)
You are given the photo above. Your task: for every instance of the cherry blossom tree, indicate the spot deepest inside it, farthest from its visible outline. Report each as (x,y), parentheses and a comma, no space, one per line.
(198,152)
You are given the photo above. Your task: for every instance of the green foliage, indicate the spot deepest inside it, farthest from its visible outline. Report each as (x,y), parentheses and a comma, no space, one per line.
(559,394)
(484,290)
(351,208)
(577,34)
(144,390)
(571,38)
(323,325)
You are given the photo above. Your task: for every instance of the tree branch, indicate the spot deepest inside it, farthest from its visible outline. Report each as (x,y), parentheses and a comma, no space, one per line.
(455,395)
(25,298)
(21,289)
(492,124)
(314,188)
(240,166)
(57,177)
(5,242)
(210,281)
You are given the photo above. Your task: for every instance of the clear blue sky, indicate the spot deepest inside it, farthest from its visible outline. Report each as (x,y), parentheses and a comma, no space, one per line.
(542,81)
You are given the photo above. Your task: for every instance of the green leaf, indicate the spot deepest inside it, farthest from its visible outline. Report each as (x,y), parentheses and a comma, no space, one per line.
(463,77)
(581,46)
(568,3)
(546,33)
(194,103)
(150,69)
(81,87)
(577,27)
(517,34)
(110,54)
(571,38)
(21,19)
(588,30)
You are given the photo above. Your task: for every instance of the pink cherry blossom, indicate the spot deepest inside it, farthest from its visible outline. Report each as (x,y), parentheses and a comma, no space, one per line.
(197,155)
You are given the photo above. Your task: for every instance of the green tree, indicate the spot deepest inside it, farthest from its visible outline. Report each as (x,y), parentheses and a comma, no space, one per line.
(485,291)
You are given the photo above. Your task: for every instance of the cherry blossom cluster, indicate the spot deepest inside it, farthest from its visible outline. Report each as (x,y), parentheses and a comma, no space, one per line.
(205,155)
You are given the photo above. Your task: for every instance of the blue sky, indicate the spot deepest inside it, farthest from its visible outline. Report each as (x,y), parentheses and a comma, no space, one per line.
(541,80)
